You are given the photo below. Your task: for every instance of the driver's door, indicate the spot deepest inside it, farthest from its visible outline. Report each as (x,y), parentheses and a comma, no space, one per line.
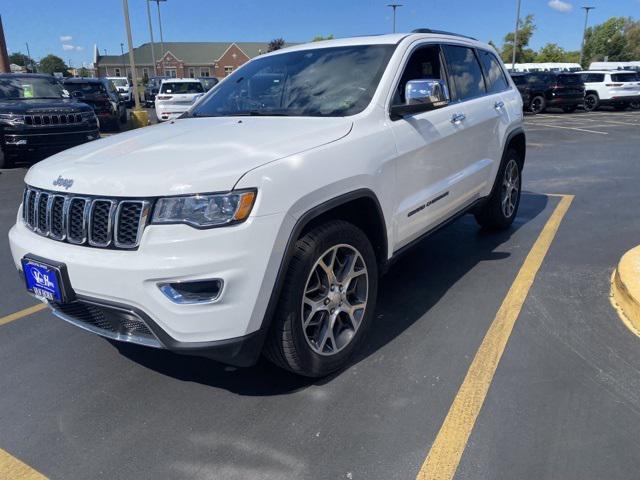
(430,153)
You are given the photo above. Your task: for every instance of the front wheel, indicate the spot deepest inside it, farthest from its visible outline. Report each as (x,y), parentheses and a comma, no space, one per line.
(501,207)
(537,105)
(327,301)
(591,102)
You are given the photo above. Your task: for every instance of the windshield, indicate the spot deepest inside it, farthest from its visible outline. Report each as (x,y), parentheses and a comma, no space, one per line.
(120,82)
(21,88)
(324,82)
(85,88)
(625,77)
(181,87)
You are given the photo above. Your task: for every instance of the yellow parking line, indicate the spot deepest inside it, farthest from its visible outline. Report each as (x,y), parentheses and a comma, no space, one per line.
(446,451)
(22,313)
(12,468)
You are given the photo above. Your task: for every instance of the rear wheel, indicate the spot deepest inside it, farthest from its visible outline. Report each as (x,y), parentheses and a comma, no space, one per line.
(569,108)
(635,105)
(327,302)
(591,102)
(537,105)
(501,207)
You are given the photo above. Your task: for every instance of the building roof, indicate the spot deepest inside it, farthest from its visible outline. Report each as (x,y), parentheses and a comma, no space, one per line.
(194,53)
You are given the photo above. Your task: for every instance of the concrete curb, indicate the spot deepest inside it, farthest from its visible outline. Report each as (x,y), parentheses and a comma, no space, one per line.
(625,289)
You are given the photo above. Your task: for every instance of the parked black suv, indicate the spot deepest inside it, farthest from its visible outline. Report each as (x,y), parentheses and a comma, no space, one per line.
(540,90)
(151,90)
(37,118)
(103,96)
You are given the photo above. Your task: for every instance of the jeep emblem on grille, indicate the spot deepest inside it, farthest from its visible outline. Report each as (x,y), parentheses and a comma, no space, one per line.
(63,182)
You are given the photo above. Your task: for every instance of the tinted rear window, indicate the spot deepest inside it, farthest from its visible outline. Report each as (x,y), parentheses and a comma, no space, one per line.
(464,71)
(625,77)
(181,87)
(569,79)
(493,73)
(86,88)
(519,80)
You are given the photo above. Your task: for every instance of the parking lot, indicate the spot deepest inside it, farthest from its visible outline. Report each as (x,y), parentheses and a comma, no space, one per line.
(559,370)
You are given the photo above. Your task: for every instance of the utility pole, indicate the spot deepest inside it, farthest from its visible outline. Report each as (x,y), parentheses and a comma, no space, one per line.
(139,116)
(395,6)
(30,59)
(5,66)
(584,31)
(124,66)
(160,25)
(515,36)
(153,53)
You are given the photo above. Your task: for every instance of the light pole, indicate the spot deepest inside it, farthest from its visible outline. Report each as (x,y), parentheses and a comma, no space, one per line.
(160,25)
(395,6)
(515,36)
(124,66)
(584,32)
(139,117)
(153,53)
(30,59)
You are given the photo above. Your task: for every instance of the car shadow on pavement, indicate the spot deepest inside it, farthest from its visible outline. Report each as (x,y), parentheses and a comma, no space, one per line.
(413,285)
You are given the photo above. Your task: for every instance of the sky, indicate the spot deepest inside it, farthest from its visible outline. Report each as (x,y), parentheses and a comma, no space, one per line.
(70,28)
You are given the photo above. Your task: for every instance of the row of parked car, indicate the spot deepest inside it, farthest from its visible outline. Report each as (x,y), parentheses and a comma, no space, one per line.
(587,89)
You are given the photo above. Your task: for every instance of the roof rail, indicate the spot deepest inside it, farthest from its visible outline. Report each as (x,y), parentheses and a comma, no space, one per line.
(441,32)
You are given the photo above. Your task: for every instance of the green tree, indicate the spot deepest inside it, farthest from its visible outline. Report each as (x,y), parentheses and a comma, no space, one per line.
(275,44)
(319,38)
(551,52)
(51,64)
(610,40)
(83,72)
(23,60)
(525,32)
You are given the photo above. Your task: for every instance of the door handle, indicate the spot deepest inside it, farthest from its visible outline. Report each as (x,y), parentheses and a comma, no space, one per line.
(457,118)
(498,105)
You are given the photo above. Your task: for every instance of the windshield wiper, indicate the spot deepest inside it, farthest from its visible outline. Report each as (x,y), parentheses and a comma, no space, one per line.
(257,113)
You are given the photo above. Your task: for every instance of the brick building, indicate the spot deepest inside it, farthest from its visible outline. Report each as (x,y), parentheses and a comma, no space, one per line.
(180,59)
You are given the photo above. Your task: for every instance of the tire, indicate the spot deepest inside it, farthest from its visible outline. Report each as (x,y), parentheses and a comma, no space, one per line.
(537,104)
(5,160)
(635,105)
(501,207)
(591,102)
(569,108)
(309,350)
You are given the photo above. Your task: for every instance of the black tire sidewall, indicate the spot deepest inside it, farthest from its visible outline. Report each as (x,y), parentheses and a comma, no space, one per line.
(543,104)
(595,102)
(310,362)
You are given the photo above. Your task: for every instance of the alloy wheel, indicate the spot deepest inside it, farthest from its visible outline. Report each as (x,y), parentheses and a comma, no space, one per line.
(536,105)
(335,299)
(510,188)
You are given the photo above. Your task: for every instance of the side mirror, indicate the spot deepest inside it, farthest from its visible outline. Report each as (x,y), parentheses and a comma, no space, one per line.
(422,95)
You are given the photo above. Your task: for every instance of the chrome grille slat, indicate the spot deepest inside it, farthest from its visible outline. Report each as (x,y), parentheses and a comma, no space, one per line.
(83,220)
(48,119)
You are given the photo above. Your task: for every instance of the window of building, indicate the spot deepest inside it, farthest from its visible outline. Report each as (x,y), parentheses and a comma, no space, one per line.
(192,73)
(171,72)
(145,72)
(493,74)
(464,72)
(227,70)
(204,72)
(117,73)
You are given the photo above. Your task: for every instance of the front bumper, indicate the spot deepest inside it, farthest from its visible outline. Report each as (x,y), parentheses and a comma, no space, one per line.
(169,253)
(25,143)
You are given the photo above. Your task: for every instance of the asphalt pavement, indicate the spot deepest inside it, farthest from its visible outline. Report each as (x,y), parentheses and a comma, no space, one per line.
(563,403)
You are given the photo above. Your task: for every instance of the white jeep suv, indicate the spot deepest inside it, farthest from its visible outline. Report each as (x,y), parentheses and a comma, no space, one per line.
(619,89)
(260,221)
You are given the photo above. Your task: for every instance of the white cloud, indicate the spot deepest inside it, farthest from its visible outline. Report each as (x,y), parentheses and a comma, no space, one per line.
(66,38)
(68,47)
(560,5)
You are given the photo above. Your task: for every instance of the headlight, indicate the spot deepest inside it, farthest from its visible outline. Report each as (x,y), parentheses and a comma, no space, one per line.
(11,119)
(89,115)
(204,211)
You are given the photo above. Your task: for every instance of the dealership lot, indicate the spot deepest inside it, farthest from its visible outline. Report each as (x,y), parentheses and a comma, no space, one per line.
(562,403)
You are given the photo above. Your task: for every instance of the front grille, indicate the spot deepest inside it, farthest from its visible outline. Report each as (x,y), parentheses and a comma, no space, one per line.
(108,321)
(48,119)
(82,220)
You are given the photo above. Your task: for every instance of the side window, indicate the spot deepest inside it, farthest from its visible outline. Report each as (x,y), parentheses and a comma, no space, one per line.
(464,72)
(424,63)
(493,73)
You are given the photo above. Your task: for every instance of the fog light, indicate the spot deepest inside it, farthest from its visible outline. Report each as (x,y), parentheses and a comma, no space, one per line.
(193,291)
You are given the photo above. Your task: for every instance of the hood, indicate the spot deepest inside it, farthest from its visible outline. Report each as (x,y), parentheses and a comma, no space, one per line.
(42,106)
(192,155)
